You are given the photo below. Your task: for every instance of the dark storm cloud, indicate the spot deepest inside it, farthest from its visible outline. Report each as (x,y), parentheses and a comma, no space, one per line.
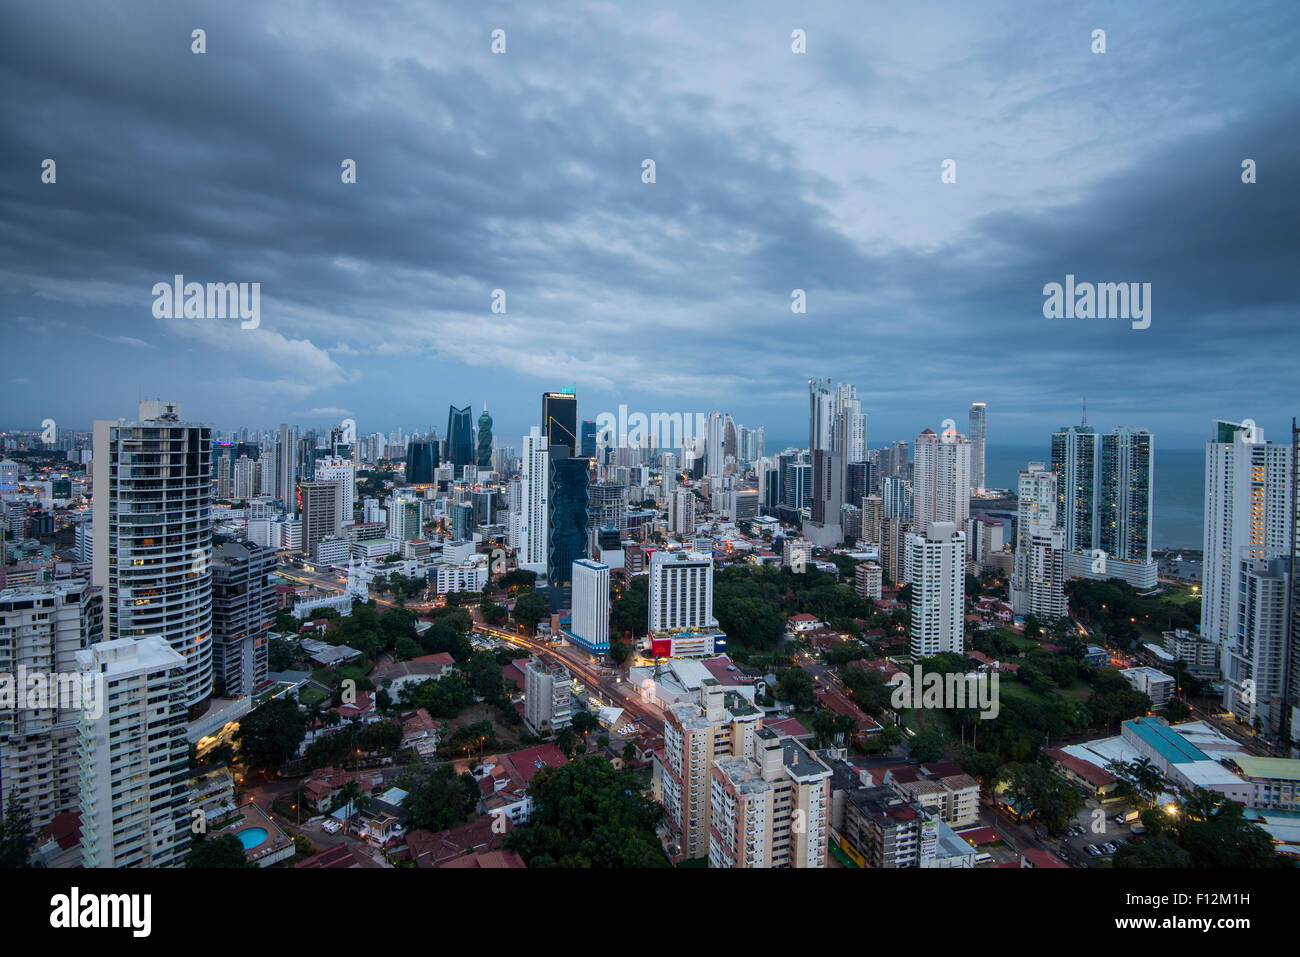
(774,172)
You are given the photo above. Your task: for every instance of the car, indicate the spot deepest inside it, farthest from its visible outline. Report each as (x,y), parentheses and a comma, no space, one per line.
(1092,849)
(331,827)
(1109,848)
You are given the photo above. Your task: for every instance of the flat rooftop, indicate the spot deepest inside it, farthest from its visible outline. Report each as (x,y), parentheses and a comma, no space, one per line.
(1165,742)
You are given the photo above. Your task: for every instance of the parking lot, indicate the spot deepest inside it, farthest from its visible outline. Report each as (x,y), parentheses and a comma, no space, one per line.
(1093,838)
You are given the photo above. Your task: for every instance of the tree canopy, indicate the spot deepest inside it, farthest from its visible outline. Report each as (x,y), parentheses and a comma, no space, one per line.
(586,814)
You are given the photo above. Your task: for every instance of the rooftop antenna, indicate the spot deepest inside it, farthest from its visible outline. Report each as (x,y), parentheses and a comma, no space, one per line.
(1085,411)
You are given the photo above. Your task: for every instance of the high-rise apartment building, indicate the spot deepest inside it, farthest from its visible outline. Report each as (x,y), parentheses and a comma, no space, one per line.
(978,411)
(1076,460)
(941,479)
(320,512)
(771,810)
(342,471)
(821,415)
(534,488)
(1038,584)
(937,566)
(243,610)
(1249,521)
(286,468)
(590,616)
(548,697)
(823,527)
(153,536)
(721,725)
(134,757)
(42,627)
(1126,495)
(681,512)
(681,591)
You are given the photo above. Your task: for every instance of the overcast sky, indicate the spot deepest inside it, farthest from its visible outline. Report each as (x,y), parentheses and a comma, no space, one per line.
(774,171)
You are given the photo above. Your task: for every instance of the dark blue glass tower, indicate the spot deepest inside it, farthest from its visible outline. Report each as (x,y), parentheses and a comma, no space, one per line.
(588,439)
(422,461)
(566,538)
(460,439)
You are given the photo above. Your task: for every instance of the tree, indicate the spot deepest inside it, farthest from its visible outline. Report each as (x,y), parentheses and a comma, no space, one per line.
(1054,801)
(565,740)
(530,609)
(271,735)
(209,853)
(437,797)
(926,746)
(794,685)
(485,675)
(584,722)
(620,651)
(280,655)
(630,611)
(492,613)
(586,814)
(17,836)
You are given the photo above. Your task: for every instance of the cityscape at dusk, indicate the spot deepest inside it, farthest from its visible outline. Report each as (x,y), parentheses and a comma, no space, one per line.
(853,438)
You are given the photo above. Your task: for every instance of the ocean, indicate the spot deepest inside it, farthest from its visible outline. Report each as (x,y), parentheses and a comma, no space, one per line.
(1179,494)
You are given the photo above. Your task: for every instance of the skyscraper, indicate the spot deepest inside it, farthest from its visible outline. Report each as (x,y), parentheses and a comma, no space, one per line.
(44,626)
(243,610)
(821,415)
(484,460)
(286,468)
(134,757)
(590,623)
(977,425)
(534,485)
(1125,499)
(460,440)
(560,420)
(1038,584)
(1249,502)
(941,479)
(422,461)
(320,512)
(823,527)
(715,445)
(1104,502)
(937,561)
(153,536)
(566,539)
(588,439)
(1076,461)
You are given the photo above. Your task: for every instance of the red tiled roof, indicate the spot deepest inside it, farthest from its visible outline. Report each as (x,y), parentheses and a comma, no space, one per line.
(1097,777)
(65,829)
(1037,857)
(980,835)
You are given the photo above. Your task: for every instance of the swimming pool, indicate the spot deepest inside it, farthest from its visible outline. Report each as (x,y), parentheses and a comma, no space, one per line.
(253,836)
